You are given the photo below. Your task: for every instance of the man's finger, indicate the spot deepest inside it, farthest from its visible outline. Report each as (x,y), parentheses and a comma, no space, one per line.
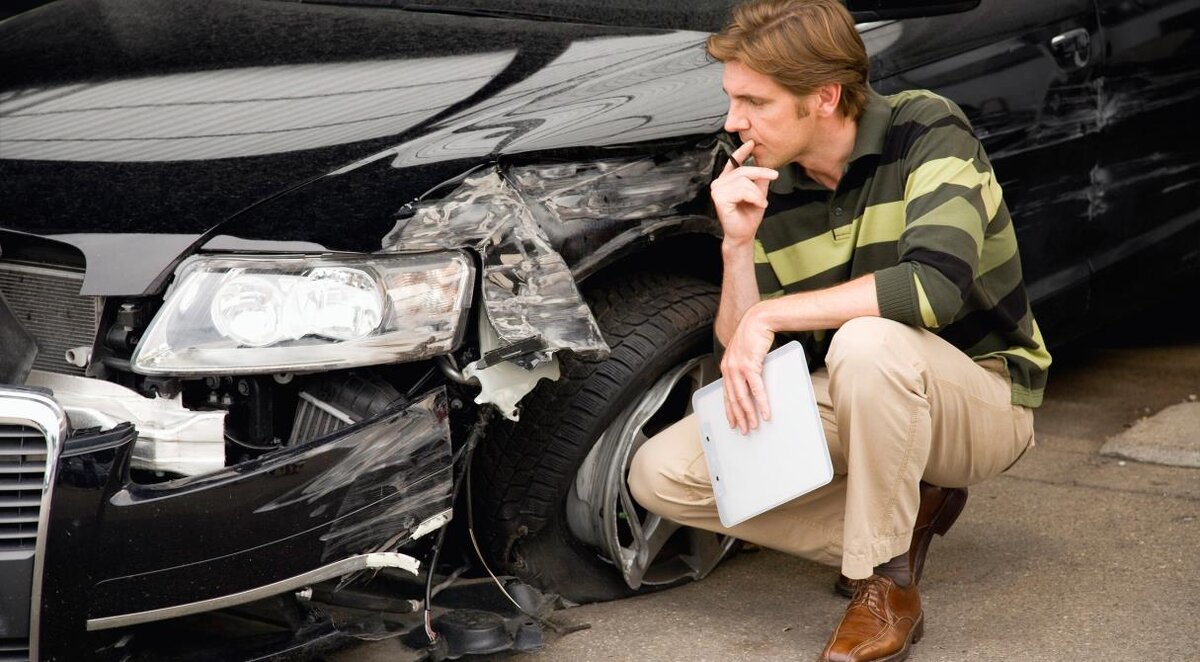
(728,398)
(751,194)
(747,389)
(742,153)
(759,391)
(758,173)
(739,419)
(743,406)
(728,408)
(737,157)
(747,404)
(732,410)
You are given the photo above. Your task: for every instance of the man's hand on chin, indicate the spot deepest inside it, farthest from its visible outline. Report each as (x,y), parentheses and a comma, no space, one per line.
(739,196)
(742,368)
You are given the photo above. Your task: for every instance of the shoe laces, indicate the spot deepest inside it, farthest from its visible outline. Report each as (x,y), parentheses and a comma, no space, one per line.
(871,593)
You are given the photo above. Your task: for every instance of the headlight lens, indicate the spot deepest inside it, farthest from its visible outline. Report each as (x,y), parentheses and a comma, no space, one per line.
(337,303)
(249,314)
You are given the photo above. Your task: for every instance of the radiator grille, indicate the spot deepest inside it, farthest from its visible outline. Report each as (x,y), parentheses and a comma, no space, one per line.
(48,304)
(312,422)
(22,474)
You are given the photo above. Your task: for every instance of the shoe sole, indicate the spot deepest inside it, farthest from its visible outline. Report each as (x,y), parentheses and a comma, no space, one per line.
(843,589)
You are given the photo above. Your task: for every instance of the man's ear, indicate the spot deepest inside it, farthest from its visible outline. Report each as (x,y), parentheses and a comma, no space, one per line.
(828,97)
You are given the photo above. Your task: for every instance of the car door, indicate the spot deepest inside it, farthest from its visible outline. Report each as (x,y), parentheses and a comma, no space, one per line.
(1146,185)
(1024,73)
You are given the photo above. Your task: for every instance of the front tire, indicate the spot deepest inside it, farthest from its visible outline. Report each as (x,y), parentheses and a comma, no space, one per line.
(551,495)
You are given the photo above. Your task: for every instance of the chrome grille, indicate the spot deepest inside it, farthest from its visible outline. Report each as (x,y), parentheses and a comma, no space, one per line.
(48,304)
(22,475)
(14,650)
(32,430)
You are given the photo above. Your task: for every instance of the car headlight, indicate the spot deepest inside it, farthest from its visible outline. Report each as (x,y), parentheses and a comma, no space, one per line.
(259,314)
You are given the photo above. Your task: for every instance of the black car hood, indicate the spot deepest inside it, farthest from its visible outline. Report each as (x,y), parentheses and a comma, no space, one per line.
(306,126)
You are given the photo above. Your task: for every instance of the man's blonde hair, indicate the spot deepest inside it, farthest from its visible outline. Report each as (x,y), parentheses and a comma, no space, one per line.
(800,44)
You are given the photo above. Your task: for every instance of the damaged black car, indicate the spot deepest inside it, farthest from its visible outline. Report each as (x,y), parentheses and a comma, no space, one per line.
(312,310)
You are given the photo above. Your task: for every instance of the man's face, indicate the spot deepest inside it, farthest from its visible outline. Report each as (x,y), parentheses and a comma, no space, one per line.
(763,111)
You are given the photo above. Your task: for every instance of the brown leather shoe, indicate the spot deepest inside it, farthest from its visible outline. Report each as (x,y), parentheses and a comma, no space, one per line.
(881,623)
(940,507)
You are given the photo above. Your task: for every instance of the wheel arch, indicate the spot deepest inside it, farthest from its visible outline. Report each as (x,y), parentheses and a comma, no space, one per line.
(684,245)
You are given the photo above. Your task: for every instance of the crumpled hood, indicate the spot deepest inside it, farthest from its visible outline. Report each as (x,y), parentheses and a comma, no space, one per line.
(121,117)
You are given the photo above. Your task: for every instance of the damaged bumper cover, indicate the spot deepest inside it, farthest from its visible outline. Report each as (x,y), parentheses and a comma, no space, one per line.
(110,552)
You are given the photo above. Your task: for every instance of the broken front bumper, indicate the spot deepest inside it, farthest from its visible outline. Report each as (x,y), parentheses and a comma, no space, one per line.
(97,550)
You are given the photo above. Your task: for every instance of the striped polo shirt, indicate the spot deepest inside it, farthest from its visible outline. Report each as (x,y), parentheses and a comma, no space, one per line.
(919,207)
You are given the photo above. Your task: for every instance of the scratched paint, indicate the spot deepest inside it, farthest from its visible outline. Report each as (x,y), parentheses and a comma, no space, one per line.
(396,472)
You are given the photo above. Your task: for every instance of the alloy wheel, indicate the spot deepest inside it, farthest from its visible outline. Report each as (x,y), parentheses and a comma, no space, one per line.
(648,549)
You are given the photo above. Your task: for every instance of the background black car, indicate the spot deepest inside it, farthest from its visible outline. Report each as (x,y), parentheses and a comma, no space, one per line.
(523,158)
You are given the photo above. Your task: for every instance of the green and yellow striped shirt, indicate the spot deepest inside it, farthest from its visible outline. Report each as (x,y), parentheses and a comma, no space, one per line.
(919,207)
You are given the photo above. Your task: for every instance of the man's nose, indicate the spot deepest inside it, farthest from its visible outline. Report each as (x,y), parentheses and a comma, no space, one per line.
(735,121)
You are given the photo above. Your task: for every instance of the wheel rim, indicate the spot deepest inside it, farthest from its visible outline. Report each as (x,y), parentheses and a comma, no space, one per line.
(648,549)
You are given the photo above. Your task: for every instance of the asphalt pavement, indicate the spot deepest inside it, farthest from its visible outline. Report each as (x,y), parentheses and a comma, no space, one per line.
(1070,555)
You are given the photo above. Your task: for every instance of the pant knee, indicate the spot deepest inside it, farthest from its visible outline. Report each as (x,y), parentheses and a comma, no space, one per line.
(660,472)
(861,340)
(645,477)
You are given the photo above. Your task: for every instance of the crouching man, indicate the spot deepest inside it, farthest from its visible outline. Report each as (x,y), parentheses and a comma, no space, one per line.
(873,229)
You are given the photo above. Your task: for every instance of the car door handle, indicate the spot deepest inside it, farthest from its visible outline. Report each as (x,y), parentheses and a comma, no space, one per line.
(1072,49)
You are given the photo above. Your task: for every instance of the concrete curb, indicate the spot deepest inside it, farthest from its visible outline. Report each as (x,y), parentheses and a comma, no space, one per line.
(1171,437)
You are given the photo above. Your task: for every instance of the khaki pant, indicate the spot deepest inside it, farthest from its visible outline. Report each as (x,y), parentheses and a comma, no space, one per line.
(899,405)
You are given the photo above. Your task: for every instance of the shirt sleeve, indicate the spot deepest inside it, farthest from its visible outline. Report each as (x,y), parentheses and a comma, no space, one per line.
(950,197)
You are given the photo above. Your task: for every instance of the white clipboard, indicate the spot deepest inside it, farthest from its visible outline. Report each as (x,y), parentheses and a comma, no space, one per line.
(784,458)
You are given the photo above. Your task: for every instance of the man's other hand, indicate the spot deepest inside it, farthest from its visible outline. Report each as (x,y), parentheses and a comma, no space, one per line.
(740,196)
(742,368)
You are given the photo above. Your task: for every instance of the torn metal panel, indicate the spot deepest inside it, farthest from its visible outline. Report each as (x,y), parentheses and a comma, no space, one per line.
(616,189)
(528,290)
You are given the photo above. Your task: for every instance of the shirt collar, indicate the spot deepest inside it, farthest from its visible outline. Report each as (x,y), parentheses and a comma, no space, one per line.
(791,178)
(872,130)
(872,126)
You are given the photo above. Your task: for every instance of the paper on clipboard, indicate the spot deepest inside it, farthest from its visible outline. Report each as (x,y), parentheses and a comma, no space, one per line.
(782,459)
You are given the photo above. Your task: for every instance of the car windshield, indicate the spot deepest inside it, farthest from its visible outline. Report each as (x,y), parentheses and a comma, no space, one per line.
(706,15)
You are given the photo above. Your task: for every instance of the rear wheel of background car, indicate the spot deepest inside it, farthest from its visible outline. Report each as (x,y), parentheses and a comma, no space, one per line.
(551,497)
